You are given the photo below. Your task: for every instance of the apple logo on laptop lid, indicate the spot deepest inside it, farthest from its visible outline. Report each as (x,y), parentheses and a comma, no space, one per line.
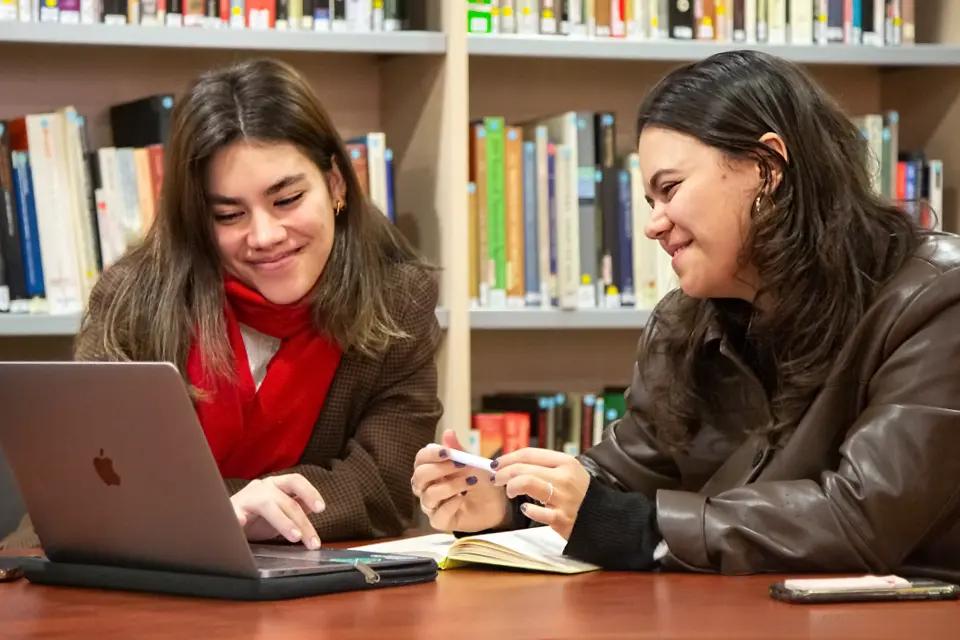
(104,467)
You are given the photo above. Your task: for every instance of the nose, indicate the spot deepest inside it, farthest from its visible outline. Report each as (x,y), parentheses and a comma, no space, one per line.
(659,223)
(265,230)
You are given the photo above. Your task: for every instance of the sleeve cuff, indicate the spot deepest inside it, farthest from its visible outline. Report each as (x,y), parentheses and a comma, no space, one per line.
(680,518)
(614,529)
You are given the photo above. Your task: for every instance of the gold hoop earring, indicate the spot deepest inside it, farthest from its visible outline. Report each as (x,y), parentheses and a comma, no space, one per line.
(339,207)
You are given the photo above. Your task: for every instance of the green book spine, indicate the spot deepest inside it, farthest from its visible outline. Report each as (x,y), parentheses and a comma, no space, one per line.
(496,209)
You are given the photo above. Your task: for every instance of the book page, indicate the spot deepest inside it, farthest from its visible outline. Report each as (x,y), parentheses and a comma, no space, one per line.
(538,548)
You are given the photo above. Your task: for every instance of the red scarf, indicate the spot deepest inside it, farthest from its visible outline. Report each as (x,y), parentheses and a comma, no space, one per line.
(253,432)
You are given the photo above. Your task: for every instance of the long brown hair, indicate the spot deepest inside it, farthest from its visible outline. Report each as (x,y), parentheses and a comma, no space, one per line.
(821,240)
(168,291)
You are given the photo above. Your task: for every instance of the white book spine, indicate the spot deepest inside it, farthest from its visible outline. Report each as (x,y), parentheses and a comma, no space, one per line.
(58,247)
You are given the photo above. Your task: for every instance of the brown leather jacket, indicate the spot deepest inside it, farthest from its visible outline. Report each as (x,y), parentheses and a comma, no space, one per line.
(868,482)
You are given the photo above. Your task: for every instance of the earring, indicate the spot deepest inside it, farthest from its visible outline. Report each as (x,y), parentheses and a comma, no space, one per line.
(756,204)
(339,207)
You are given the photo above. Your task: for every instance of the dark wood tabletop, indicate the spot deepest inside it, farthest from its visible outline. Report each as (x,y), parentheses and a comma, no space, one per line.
(478,603)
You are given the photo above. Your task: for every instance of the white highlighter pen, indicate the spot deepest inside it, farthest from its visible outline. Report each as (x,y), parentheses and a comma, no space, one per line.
(466,458)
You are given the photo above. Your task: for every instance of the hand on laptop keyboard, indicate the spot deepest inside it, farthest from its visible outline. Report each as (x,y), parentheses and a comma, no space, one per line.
(278,505)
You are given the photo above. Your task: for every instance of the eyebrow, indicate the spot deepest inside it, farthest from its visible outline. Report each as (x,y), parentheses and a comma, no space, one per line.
(656,177)
(277,186)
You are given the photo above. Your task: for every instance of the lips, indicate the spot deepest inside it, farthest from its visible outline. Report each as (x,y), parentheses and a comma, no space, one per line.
(675,249)
(274,259)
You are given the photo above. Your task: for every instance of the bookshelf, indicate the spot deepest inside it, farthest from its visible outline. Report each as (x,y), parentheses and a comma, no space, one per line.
(557,47)
(422,89)
(103,35)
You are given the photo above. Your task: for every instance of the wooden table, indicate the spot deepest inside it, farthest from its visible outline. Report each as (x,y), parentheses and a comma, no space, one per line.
(478,603)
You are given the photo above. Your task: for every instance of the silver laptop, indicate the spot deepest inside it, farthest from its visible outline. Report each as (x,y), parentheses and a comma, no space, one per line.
(114,469)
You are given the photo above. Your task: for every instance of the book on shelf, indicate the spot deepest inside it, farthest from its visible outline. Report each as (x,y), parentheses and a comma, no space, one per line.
(534,549)
(776,22)
(69,210)
(338,16)
(567,421)
(556,213)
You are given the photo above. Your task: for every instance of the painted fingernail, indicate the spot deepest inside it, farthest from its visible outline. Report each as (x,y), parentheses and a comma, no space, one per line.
(494,464)
(295,533)
(493,478)
(458,465)
(523,507)
(472,480)
(443,453)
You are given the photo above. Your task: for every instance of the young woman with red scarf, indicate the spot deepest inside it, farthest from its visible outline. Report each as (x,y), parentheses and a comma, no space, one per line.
(302,322)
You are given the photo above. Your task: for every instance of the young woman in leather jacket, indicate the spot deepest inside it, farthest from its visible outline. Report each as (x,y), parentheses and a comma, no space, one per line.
(795,404)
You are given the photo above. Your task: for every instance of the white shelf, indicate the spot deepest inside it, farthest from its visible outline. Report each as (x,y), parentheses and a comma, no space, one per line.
(387,42)
(540,46)
(25,325)
(543,319)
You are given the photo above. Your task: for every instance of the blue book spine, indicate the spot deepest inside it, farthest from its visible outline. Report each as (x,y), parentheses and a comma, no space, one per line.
(552,218)
(628,293)
(27,213)
(391,192)
(531,266)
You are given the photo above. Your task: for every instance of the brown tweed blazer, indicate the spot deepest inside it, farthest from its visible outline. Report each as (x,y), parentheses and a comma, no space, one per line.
(377,414)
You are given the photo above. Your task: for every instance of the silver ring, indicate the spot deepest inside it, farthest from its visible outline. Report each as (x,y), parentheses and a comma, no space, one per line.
(547,501)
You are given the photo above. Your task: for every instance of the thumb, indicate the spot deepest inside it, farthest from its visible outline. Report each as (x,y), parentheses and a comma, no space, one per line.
(241,516)
(450,440)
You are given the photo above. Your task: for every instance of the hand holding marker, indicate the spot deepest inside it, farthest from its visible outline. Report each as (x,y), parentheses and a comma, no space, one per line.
(466,458)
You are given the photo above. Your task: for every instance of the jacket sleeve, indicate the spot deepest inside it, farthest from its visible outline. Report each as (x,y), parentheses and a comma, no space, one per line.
(629,457)
(897,480)
(367,489)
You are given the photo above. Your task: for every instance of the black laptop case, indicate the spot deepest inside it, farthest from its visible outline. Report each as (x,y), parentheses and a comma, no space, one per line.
(372,571)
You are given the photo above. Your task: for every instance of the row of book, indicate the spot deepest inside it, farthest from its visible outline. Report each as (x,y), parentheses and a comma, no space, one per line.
(302,15)
(905,176)
(557,216)
(569,422)
(799,22)
(69,211)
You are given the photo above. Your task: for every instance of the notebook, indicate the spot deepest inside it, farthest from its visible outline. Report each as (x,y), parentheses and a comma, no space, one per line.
(534,549)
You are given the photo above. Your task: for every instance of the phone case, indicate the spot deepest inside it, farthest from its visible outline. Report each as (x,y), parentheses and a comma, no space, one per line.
(865,589)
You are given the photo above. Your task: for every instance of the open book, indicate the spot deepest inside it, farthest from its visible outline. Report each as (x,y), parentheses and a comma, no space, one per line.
(535,549)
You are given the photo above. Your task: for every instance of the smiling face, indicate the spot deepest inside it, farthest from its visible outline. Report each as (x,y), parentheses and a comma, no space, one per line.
(273,217)
(701,202)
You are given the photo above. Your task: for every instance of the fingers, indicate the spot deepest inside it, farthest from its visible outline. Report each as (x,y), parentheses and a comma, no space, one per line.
(516,470)
(434,495)
(530,455)
(543,515)
(427,474)
(296,485)
(267,500)
(443,517)
(431,454)
(449,439)
(540,489)
(296,524)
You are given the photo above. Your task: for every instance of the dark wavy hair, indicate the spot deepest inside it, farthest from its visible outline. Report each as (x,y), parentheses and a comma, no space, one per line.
(821,240)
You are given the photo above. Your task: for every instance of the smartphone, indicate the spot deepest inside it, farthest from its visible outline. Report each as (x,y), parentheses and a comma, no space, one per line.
(862,589)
